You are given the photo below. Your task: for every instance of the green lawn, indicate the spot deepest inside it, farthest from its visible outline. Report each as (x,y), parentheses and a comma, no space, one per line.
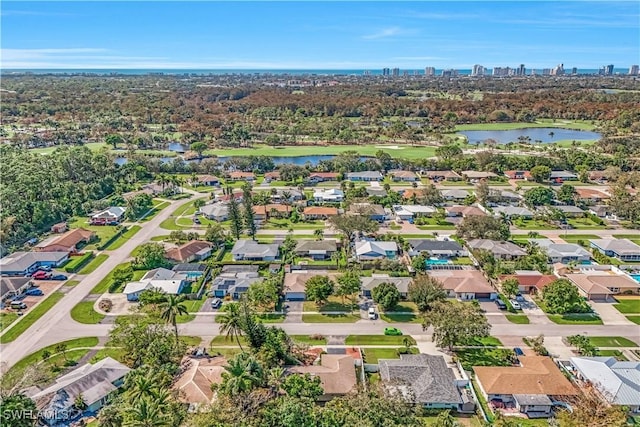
(373,354)
(540,123)
(533,224)
(113,352)
(158,205)
(308,339)
(330,318)
(575,319)
(404,312)
(83,312)
(227,353)
(634,319)
(463,420)
(333,304)
(612,342)
(628,305)
(471,357)
(377,340)
(123,238)
(223,340)
(186,209)
(615,353)
(271,317)
(520,319)
(103,232)
(190,341)
(32,315)
(573,238)
(103,285)
(486,342)
(95,263)
(6,319)
(584,224)
(72,282)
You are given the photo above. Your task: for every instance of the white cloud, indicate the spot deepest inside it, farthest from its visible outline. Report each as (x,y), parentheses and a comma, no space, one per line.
(384,33)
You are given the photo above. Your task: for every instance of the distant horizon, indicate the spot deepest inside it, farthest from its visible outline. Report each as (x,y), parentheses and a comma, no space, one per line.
(310,35)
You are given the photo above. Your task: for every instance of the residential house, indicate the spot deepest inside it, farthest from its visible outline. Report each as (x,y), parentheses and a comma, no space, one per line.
(295,282)
(500,250)
(241,176)
(454,195)
(95,383)
(210,180)
(337,374)
(319,212)
(599,177)
(112,216)
(463,211)
(250,250)
(410,212)
(233,284)
(370,283)
(441,175)
(68,242)
(290,195)
(332,195)
(60,227)
(216,212)
(195,250)
(23,263)
(406,176)
(427,380)
(559,176)
(193,385)
(569,210)
(436,248)
(623,249)
(272,210)
(375,190)
(365,176)
(272,176)
(518,174)
(513,212)
(532,387)
(226,198)
(316,177)
(191,271)
(504,196)
(369,250)
(10,286)
(600,282)
(240,268)
(602,211)
(316,249)
(564,253)
(590,196)
(529,281)
(618,383)
(168,281)
(478,175)
(465,284)
(375,212)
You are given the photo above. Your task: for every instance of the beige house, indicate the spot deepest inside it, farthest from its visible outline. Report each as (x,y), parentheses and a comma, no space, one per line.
(337,374)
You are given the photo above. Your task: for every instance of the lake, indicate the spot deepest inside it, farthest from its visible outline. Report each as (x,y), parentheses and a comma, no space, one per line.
(536,134)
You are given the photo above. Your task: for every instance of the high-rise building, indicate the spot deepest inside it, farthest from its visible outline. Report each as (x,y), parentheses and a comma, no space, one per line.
(385,72)
(634,70)
(450,73)
(521,70)
(574,71)
(367,72)
(558,70)
(429,71)
(546,71)
(609,70)
(395,72)
(478,70)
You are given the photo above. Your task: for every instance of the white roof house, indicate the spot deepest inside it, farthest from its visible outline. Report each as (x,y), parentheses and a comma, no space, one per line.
(331,195)
(366,250)
(563,252)
(409,211)
(168,281)
(510,211)
(619,382)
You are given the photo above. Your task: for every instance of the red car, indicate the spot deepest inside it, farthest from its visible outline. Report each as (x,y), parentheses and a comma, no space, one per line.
(41,275)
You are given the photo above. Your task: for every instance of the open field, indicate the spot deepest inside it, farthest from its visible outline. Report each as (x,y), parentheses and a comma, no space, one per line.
(31,316)
(541,123)
(401,151)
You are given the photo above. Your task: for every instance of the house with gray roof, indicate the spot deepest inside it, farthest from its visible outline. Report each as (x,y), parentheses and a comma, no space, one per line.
(563,175)
(454,194)
(96,383)
(564,253)
(513,211)
(216,211)
(366,176)
(111,216)
(440,248)
(370,283)
(427,380)
(618,382)
(569,210)
(233,284)
(316,249)
(23,263)
(10,286)
(250,250)
(368,250)
(622,249)
(500,250)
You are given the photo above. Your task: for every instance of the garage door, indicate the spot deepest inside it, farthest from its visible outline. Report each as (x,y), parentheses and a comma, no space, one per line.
(294,296)
(483,295)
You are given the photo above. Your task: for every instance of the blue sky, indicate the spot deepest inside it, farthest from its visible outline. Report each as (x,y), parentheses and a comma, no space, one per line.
(318,35)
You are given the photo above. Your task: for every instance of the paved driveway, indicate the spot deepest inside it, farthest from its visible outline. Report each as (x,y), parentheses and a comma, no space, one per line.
(609,314)
(294,312)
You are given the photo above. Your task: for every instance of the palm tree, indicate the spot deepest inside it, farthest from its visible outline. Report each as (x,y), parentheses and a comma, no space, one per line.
(319,233)
(139,386)
(171,309)
(231,322)
(274,378)
(242,374)
(146,413)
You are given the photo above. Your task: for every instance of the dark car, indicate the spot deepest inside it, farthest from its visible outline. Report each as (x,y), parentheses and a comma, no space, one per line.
(518,351)
(501,305)
(196,220)
(58,277)
(34,292)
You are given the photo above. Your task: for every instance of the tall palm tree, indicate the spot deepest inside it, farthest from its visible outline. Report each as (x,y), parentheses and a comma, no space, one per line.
(171,309)
(319,233)
(242,374)
(139,385)
(231,322)
(146,413)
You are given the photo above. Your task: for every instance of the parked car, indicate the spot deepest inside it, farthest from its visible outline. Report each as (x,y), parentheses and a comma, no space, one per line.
(41,275)
(518,351)
(18,305)
(216,303)
(18,297)
(516,305)
(59,277)
(372,313)
(196,220)
(392,331)
(45,268)
(501,305)
(34,292)
(519,298)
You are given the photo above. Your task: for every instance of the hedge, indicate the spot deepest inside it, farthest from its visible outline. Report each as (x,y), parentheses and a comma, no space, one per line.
(77,263)
(113,238)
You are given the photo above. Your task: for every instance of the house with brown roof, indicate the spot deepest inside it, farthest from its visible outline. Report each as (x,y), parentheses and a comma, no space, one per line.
(477,175)
(337,374)
(591,196)
(295,283)
(532,387)
(209,180)
(194,383)
(272,176)
(529,281)
(60,227)
(241,176)
(441,175)
(464,284)
(406,176)
(319,212)
(600,282)
(316,177)
(463,211)
(518,174)
(195,250)
(272,210)
(68,242)
(499,249)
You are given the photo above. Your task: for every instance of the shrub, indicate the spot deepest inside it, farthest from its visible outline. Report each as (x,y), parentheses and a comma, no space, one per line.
(105,305)
(316,337)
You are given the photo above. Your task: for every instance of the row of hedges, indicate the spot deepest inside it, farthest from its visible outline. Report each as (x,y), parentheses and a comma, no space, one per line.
(120,232)
(77,263)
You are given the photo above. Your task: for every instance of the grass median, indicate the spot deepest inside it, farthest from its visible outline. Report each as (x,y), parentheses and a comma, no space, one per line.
(83,312)
(95,263)
(124,237)
(575,319)
(519,319)
(30,318)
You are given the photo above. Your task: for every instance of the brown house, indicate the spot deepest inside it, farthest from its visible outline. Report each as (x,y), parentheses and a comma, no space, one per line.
(319,212)
(194,250)
(60,227)
(242,176)
(530,282)
(336,372)
(68,242)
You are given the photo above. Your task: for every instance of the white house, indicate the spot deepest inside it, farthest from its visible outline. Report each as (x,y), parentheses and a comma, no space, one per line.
(368,250)
(332,195)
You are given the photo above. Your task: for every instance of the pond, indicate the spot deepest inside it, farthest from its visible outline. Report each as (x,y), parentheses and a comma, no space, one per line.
(545,135)
(177,147)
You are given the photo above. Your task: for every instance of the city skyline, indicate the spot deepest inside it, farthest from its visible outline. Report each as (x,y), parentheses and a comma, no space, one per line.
(309,35)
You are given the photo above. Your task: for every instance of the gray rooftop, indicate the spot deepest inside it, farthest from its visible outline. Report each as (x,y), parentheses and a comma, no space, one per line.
(569,209)
(513,210)
(620,381)
(189,267)
(401,283)
(420,245)
(426,378)
(365,174)
(252,249)
(455,193)
(316,245)
(19,261)
(497,248)
(561,249)
(619,246)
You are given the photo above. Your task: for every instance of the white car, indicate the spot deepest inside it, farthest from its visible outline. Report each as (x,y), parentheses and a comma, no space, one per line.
(372,313)
(516,305)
